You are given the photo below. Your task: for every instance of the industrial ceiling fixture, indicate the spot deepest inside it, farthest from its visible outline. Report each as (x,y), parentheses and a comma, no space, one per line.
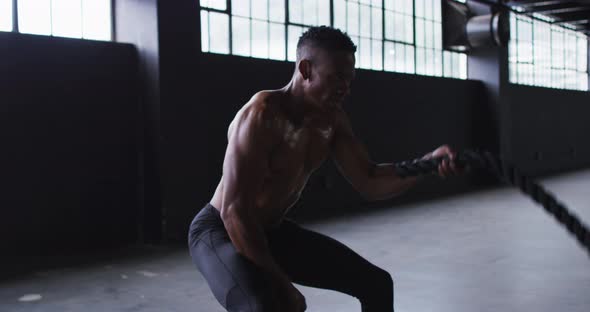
(485,23)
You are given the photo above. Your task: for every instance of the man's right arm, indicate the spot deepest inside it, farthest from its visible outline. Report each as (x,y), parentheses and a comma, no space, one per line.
(245,166)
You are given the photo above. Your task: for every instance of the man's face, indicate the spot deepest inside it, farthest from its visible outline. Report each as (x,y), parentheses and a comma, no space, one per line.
(331,77)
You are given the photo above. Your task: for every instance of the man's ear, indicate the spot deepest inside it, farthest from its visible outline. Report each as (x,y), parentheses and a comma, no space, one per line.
(305,69)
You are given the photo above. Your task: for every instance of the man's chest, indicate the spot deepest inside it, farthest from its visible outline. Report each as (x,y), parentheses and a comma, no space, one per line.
(302,148)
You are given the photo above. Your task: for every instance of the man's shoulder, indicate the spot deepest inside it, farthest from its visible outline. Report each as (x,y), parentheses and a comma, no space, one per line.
(260,110)
(264,105)
(269,99)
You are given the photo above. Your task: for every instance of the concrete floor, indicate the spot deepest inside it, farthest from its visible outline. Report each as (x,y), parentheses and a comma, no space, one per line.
(488,251)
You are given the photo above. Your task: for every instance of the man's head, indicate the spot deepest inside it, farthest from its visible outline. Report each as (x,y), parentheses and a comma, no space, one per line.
(325,64)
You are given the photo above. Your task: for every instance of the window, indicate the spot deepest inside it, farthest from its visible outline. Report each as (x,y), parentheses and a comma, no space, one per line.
(399,37)
(391,35)
(5,15)
(547,55)
(363,21)
(88,19)
(302,15)
(97,20)
(216,25)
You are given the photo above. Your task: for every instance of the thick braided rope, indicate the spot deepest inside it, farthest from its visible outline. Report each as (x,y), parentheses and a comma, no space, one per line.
(507,174)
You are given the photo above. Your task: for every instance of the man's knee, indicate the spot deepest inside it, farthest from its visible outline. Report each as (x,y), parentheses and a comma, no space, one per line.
(378,283)
(238,301)
(384,280)
(377,293)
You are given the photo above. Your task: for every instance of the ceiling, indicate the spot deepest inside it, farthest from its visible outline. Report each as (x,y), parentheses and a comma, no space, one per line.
(573,13)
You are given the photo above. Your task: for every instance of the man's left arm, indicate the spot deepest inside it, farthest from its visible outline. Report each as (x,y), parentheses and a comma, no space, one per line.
(372,180)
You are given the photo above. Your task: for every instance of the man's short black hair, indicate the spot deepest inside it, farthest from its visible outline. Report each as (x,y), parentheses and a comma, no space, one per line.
(326,38)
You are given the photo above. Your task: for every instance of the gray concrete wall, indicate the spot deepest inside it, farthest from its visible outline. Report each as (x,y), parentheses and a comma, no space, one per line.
(549,129)
(68,160)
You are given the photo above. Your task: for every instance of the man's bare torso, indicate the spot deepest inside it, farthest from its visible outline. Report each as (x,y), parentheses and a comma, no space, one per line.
(299,148)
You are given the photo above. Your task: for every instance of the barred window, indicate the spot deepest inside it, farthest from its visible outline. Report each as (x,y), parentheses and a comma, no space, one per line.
(547,55)
(5,15)
(88,19)
(391,35)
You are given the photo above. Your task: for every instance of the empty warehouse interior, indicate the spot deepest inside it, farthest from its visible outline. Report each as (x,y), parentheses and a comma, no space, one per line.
(115,124)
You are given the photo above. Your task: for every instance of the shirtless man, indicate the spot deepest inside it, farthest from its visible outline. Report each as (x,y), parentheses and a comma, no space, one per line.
(240,241)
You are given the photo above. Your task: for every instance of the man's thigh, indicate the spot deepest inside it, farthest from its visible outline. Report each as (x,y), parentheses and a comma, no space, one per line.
(236,282)
(316,260)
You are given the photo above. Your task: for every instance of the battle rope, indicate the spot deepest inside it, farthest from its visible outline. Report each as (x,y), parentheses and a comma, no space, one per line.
(507,174)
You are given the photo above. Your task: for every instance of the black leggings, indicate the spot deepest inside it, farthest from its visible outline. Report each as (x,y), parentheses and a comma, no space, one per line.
(308,258)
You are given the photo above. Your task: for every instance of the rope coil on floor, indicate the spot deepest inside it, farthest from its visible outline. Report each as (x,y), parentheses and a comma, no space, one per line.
(509,175)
